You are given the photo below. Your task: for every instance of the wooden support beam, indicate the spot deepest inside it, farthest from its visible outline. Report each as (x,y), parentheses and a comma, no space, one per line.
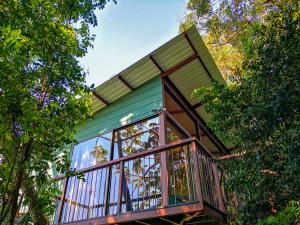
(195,52)
(169,221)
(142,222)
(156,64)
(175,112)
(100,98)
(125,82)
(179,65)
(197,105)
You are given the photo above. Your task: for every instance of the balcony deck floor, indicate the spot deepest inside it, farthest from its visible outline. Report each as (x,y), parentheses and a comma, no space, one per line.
(189,214)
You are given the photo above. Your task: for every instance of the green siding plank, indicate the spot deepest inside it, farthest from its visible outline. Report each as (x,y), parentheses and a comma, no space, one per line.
(137,105)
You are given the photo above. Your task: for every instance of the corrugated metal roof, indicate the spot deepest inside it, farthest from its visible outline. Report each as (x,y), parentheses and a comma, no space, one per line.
(186,79)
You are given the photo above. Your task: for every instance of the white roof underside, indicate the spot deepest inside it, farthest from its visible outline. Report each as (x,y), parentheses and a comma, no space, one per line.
(186,79)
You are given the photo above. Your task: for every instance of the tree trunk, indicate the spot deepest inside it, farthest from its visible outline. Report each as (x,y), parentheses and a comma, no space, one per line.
(15,195)
(18,183)
(38,217)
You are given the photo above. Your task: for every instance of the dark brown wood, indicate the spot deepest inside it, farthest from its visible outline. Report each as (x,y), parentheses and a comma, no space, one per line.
(190,43)
(147,214)
(164,175)
(156,63)
(195,51)
(100,98)
(176,112)
(125,82)
(119,206)
(198,132)
(63,199)
(196,173)
(213,212)
(179,65)
(197,105)
(107,190)
(218,187)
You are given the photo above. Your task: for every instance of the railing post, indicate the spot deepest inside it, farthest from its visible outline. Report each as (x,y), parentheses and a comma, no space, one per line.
(119,206)
(197,173)
(164,176)
(218,187)
(62,200)
(107,191)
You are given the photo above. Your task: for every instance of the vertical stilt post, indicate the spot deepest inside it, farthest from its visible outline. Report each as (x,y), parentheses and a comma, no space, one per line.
(218,187)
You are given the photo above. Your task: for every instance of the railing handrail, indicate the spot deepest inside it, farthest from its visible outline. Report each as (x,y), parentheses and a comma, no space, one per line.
(140,154)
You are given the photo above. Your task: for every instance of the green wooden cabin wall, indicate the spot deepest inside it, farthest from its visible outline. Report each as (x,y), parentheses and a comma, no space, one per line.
(136,105)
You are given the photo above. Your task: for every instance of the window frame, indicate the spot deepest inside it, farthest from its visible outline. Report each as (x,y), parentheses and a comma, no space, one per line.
(113,131)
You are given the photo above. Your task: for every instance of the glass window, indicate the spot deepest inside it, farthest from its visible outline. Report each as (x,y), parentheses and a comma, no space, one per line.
(174,134)
(135,138)
(181,185)
(92,152)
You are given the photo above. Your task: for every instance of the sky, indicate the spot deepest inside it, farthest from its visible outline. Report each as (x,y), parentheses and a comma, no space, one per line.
(127,31)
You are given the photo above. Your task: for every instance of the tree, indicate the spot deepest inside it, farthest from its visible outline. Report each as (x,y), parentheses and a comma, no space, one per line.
(43,97)
(224,25)
(260,115)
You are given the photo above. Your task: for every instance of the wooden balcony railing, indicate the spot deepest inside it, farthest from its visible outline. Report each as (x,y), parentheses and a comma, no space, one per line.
(134,183)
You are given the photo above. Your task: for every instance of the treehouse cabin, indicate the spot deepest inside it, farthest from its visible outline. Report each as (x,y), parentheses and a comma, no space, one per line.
(147,155)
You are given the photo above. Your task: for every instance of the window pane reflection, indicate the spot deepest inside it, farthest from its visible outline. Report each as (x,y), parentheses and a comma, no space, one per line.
(92,152)
(141,184)
(173,134)
(138,137)
(181,185)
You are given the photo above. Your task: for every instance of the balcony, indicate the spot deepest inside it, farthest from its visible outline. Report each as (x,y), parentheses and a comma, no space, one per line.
(175,183)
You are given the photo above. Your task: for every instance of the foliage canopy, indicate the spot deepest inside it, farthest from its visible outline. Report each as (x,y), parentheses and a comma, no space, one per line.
(42,98)
(259,113)
(225,25)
